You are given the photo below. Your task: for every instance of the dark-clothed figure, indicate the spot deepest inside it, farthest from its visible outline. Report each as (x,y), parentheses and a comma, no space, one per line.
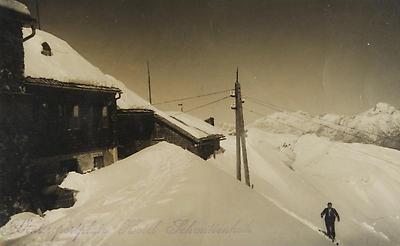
(330,216)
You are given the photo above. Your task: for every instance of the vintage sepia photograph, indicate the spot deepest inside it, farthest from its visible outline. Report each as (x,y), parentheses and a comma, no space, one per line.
(199,122)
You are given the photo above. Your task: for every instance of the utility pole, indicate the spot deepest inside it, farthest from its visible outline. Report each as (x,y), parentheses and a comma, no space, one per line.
(237,128)
(149,81)
(38,14)
(240,134)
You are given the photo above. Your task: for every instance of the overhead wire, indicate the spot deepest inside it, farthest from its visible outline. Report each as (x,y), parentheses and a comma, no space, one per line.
(191,97)
(203,105)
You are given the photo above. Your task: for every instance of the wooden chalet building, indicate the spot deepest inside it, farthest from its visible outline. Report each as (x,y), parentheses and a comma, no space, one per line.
(53,119)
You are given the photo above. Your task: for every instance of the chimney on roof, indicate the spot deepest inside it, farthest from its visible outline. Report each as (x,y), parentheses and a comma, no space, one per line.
(46,49)
(210,121)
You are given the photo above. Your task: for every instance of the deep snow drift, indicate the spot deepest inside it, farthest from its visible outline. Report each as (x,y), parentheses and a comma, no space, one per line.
(379,125)
(163,195)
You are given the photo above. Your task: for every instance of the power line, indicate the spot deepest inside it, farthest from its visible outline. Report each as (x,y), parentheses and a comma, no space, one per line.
(192,97)
(203,105)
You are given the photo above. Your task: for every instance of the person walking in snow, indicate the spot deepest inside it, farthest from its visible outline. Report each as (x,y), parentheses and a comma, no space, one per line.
(330,216)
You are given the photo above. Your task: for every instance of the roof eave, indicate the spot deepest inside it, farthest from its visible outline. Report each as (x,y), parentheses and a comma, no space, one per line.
(25,19)
(52,83)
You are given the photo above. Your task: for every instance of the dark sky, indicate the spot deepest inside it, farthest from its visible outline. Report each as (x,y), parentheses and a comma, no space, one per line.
(318,56)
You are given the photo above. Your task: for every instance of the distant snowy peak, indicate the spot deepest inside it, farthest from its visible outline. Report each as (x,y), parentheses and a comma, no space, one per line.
(382,108)
(383,118)
(379,125)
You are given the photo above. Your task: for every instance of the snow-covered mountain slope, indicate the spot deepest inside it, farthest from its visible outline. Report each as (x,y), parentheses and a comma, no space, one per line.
(165,195)
(302,173)
(379,125)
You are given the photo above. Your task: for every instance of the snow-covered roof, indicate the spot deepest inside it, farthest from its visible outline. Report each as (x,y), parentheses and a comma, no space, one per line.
(15,6)
(68,66)
(65,64)
(197,125)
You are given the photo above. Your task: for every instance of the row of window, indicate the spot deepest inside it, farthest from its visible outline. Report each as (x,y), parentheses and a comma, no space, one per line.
(105,123)
(75,111)
(75,115)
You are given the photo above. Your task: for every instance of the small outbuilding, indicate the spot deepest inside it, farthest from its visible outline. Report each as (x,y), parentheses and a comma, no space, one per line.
(188,132)
(191,133)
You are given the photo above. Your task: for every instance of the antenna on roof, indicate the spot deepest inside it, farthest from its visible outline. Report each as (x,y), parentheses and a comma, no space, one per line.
(37,13)
(149,81)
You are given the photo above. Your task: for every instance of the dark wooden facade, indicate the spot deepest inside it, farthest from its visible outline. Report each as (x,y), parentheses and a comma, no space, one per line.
(70,118)
(134,129)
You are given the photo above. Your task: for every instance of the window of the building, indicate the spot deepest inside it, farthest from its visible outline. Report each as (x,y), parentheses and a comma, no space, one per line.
(60,110)
(104,112)
(75,117)
(75,111)
(104,117)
